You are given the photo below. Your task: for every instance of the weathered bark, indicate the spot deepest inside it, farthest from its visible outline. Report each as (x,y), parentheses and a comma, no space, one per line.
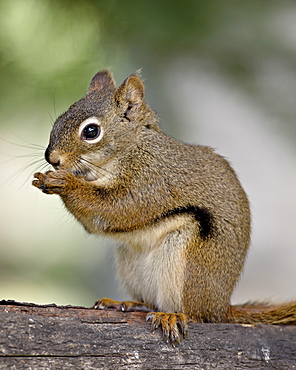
(51,337)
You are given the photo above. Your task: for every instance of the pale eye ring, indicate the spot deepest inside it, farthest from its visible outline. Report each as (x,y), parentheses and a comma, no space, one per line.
(90,130)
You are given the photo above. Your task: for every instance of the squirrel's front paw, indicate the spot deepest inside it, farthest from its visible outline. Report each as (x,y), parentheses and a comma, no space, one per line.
(53,182)
(125,306)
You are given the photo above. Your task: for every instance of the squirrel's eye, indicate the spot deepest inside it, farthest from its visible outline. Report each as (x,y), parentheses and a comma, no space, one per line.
(90,130)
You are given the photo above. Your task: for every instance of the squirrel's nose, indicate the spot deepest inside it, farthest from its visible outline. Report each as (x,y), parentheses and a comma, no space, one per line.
(52,158)
(46,155)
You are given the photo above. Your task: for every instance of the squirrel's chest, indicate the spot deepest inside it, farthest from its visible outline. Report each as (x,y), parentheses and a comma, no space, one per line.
(151,263)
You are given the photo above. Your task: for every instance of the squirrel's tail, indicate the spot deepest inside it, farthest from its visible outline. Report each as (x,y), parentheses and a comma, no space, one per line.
(254,313)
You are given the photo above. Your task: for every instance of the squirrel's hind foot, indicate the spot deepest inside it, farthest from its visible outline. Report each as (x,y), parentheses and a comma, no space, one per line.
(174,325)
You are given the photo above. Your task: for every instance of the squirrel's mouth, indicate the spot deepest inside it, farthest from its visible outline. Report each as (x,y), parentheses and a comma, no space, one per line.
(78,173)
(102,175)
(86,175)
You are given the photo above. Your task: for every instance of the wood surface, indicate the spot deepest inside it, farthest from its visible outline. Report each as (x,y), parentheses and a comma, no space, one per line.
(66,337)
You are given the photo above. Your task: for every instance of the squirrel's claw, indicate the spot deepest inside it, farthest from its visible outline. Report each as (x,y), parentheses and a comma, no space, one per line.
(107,304)
(172,324)
(38,176)
(134,306)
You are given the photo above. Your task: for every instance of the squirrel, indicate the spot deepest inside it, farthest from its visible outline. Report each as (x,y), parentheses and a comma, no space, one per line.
(178,211)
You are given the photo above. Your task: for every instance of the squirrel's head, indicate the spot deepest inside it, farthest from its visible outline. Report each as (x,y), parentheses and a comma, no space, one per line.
(95,133)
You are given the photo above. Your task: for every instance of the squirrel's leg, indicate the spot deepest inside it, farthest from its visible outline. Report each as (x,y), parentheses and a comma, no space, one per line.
(109,304)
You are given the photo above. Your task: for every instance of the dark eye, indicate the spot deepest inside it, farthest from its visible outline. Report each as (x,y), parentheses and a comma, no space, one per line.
(91,131)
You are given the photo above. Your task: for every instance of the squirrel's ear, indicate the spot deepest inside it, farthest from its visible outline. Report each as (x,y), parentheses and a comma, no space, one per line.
(101,80)
(131,91)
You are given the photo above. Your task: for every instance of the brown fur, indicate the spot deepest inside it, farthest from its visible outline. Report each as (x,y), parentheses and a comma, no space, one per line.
(178,210)
(281,314)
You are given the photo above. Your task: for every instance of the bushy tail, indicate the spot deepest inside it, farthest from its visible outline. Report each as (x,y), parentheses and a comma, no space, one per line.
(254,313)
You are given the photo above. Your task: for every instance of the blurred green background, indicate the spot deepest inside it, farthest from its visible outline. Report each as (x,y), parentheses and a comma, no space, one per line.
(219,73)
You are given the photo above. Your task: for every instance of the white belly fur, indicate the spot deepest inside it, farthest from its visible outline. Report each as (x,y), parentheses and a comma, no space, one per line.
(151,265)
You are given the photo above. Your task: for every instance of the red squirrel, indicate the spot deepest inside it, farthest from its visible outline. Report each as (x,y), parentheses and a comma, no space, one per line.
(178,211)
